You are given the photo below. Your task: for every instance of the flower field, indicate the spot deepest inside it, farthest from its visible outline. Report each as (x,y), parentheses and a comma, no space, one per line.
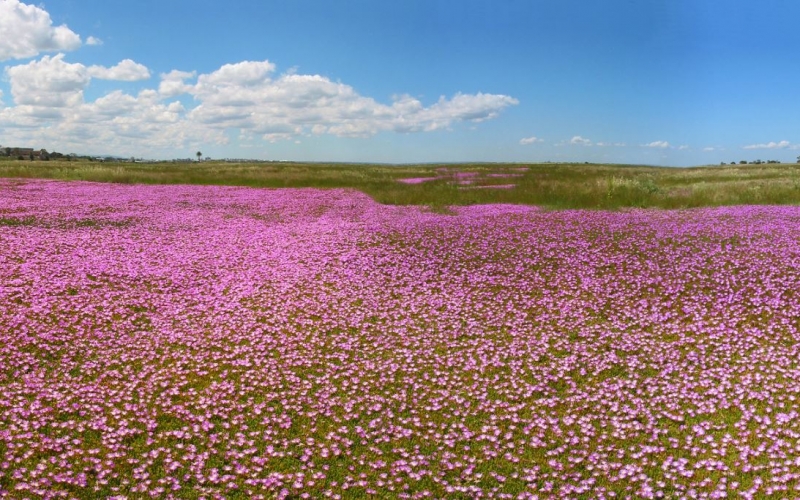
(224,342)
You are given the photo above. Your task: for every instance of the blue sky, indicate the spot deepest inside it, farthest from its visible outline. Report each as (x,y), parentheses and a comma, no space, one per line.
(678,82)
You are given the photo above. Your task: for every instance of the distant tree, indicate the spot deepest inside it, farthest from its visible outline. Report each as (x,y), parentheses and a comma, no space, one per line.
(199,155)
(722,163)
(743,162)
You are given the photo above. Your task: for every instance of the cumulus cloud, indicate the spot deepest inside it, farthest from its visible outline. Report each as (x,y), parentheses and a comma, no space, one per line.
(245,98)
(27,30)
(126,71)
(49,82)
(54,83)
(580,141)
(682,147)
(243,74)
(773,145)
(657,144)
(530,140)
(709,148)
(93,41)
(174,83)
(470,107)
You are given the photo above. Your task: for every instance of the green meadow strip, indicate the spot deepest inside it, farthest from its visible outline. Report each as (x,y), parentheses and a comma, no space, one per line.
(554,186)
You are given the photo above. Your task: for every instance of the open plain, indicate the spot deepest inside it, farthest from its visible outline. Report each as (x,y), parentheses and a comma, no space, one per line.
(179,341)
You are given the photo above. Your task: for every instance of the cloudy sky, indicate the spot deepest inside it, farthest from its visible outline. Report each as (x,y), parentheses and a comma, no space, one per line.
(670,82)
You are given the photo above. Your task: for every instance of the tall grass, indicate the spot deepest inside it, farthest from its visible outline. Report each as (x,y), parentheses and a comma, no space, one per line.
(555,186)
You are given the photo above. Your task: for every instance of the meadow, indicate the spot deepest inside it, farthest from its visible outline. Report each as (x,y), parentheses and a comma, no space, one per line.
(549,185)
(200,341)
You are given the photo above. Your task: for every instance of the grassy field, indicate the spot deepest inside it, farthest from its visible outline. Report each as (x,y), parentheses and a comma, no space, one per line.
(557,186)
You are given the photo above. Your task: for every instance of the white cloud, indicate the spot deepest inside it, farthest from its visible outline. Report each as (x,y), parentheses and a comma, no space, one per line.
(54,83)
(246,98)
(172,83)
(470,107)
(709,148)
(126,71)
(657,144)
(773,145)
(93,41)
(580,141)
(530,140)
(243,74)
(683,147)
(27,30)
(50,82)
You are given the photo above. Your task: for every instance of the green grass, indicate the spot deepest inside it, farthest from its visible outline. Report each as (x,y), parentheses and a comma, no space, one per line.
(555,186)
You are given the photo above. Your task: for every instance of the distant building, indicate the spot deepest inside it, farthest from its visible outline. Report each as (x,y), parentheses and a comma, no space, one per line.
(25,153)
